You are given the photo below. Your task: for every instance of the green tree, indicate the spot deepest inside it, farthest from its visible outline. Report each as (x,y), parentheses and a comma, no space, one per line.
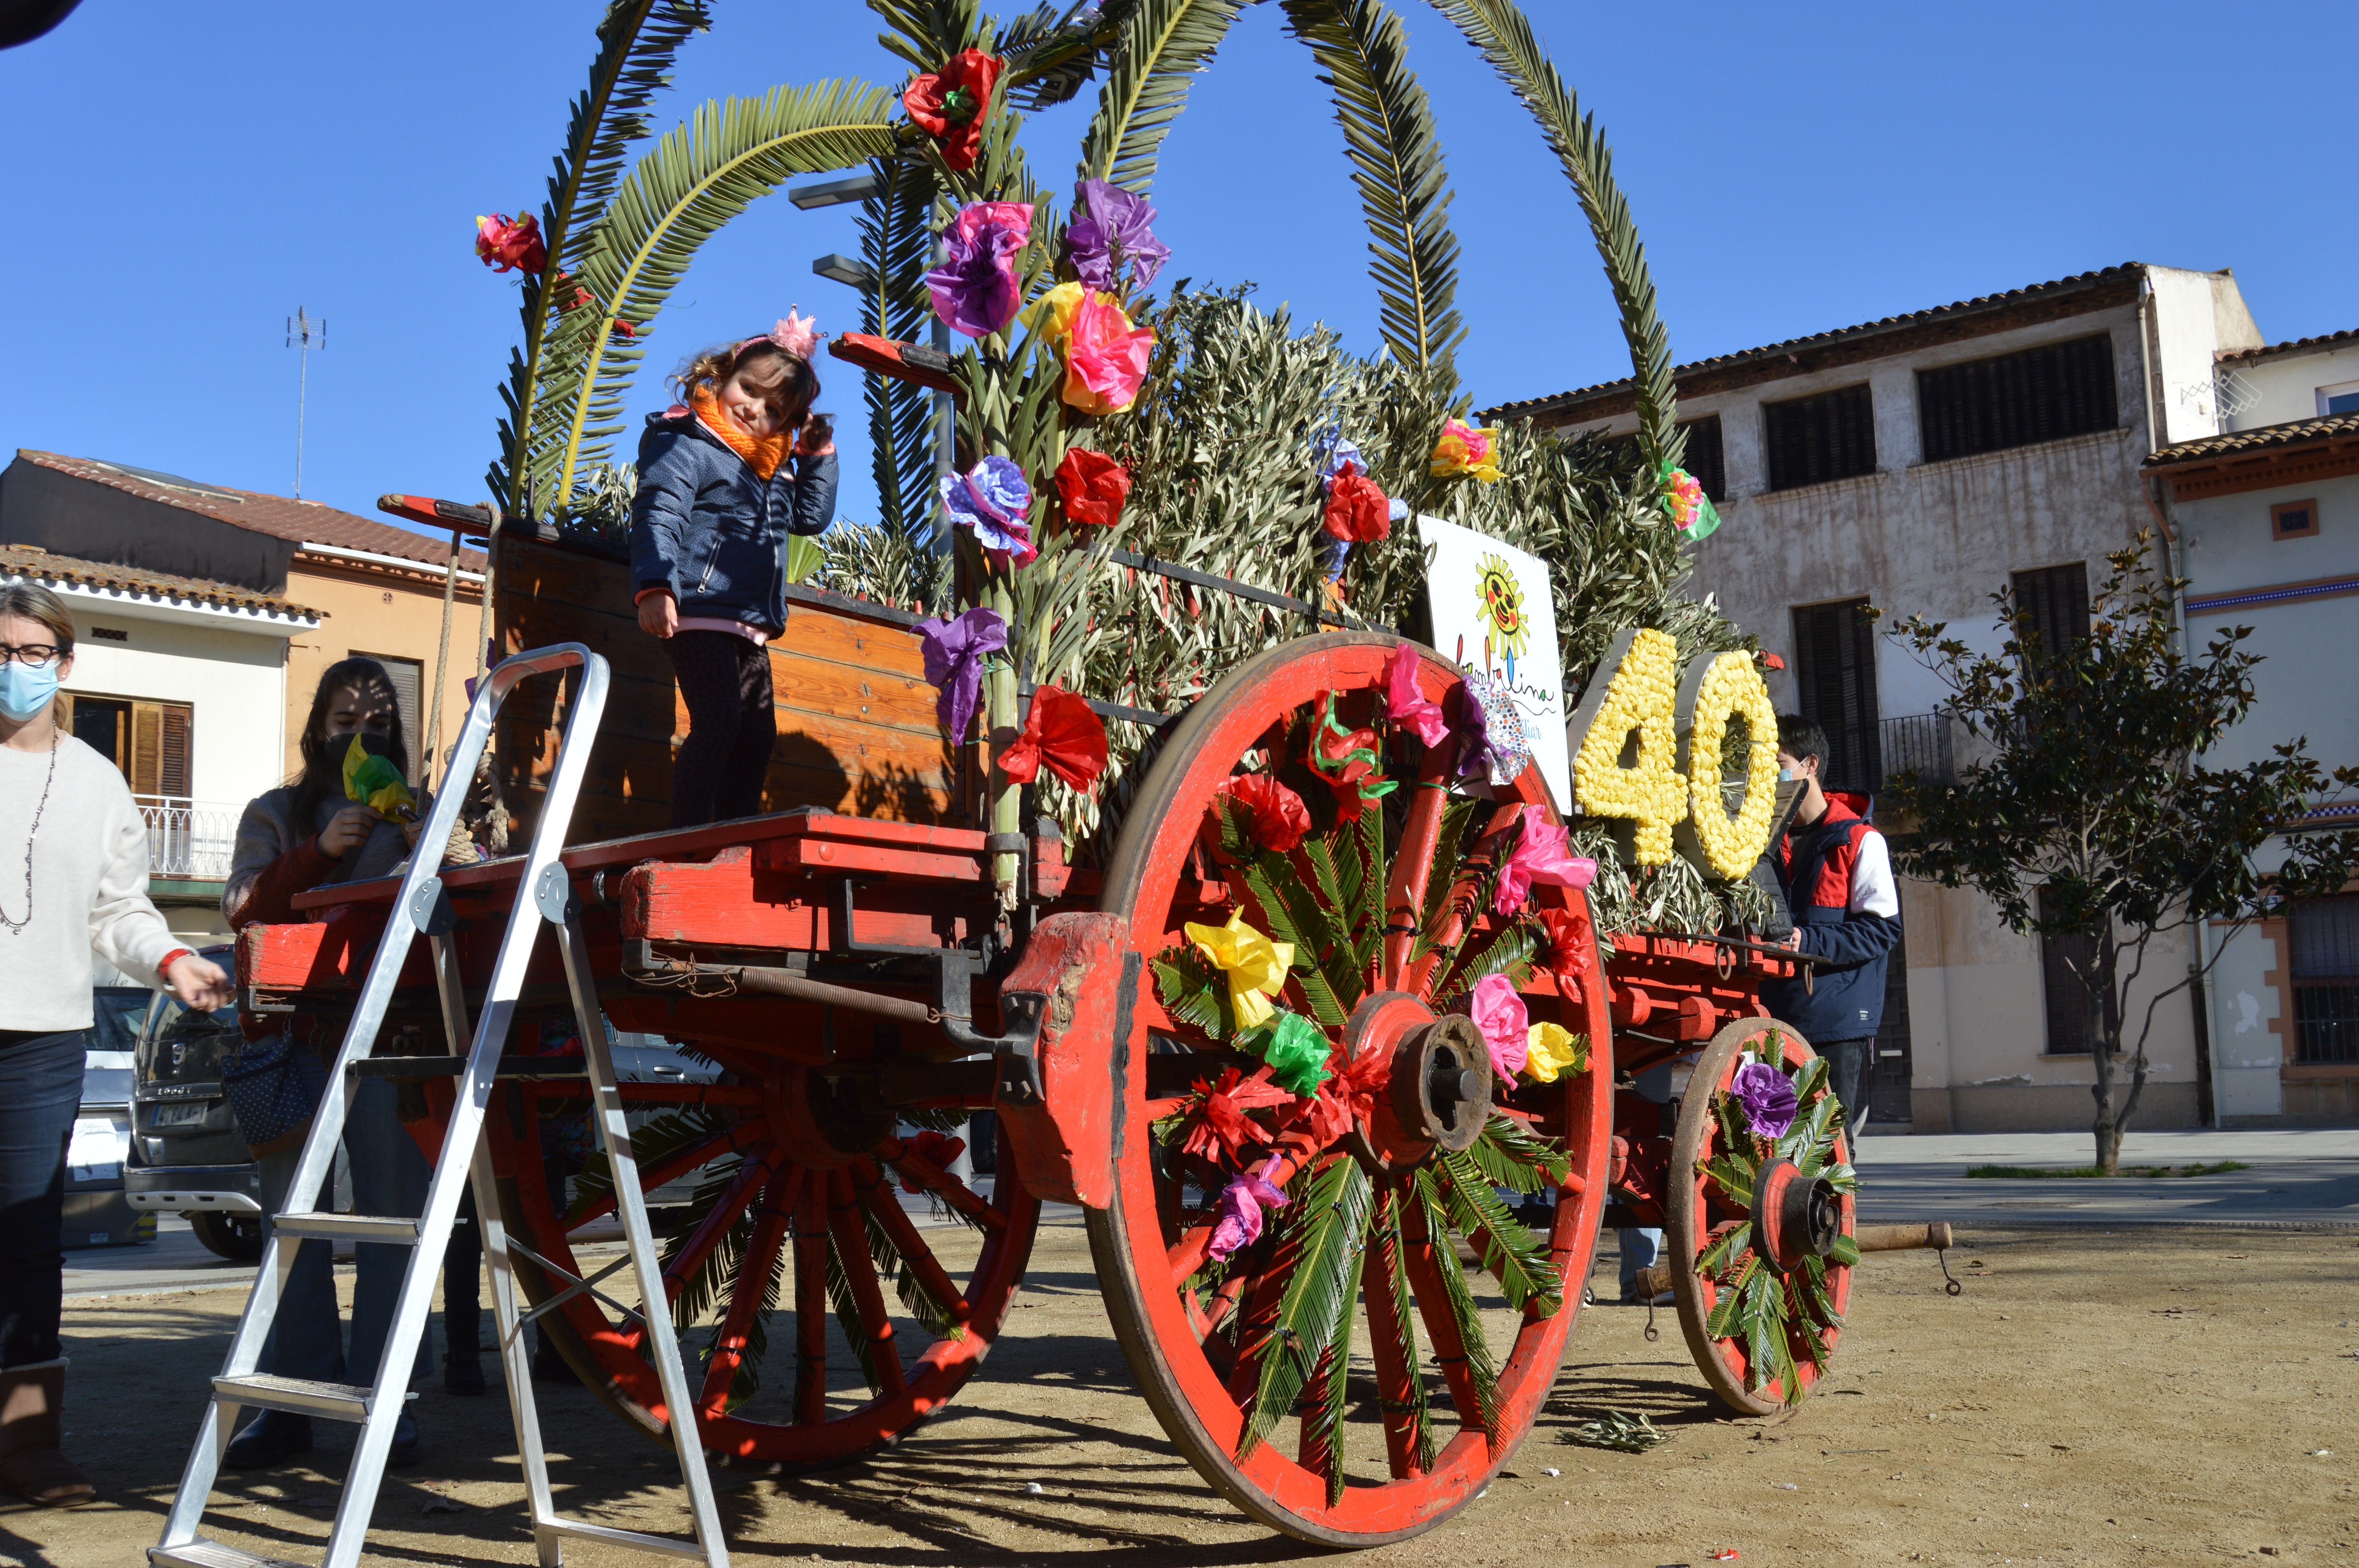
(2096,816)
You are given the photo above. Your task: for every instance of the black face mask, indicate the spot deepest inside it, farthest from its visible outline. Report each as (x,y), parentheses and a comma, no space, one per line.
(329,768)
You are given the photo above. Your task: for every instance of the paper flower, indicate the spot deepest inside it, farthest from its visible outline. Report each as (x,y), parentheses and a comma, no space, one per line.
(928,1147)
(1641,693)
(1571,945)
(1406,705)
(1691,510)
(992,498)
(1051,315)
(1110,227)
(953,652)
(511,246)
(374,781)
(1256,966)
(1093,487)
(952,105)
(1295,1051)
(976,290)
(1551,1049)
(1499,750)
(1542,854)
(1347,762)
(1768,1097)
(1499,1013)
(1062,731)
(1466,449)
(1276,816)
(1357,511)
(1239,1224)
(1222,1132)
(1105,357)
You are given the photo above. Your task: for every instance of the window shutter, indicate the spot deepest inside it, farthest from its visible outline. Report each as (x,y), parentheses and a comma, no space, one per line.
(1704,460)
(1811,440)
(147,748)
(406,676)
(2039,395)
(172,764)
(2322,943)
(2057,600)
(1834,673)
(2069,1031)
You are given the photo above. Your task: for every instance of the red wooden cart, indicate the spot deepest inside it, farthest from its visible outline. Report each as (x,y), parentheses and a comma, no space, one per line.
(844,965)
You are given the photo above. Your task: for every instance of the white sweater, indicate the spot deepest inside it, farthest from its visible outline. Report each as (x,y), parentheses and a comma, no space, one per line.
(90,887)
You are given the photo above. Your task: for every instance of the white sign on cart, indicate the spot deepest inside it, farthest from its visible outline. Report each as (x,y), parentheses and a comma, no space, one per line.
(1492,612)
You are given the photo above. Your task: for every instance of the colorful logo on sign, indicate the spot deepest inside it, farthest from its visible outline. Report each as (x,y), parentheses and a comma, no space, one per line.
(1500,604)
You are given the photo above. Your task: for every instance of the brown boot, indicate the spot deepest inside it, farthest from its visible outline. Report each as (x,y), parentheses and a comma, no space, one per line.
(32,1414)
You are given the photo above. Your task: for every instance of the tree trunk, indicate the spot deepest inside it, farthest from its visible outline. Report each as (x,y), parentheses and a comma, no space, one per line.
(2104,1039)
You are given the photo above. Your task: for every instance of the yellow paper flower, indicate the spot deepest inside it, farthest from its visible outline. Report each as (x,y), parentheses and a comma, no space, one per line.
(1256,966)
(1553,1049)
(1051,315)
(375,782)
(1640,694)
(1731,687)
(1466,449)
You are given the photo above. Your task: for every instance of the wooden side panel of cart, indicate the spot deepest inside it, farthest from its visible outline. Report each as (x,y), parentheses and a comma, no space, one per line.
(856,727)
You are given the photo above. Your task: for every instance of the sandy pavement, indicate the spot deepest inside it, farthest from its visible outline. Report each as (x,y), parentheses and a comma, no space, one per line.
(2137,1396)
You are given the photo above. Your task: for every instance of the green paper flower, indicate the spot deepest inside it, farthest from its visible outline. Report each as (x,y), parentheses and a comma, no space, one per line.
(1295,1047)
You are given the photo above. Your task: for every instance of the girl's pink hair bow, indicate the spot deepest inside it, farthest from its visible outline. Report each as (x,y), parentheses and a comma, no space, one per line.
(798,335)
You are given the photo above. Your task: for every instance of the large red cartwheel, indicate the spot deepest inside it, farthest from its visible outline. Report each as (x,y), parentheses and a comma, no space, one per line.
(801,1225)
(1758,1224)
(1341,1374)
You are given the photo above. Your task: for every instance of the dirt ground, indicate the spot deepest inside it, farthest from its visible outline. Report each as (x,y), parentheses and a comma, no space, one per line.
(2137,1396)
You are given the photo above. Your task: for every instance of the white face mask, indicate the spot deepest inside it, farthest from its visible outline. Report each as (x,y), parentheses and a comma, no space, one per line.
(1785,775)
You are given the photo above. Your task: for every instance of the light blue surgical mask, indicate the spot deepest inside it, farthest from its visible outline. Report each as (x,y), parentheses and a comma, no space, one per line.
(1785,775)
(26,690)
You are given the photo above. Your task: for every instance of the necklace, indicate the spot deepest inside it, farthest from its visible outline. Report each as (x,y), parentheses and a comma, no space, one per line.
(16,928)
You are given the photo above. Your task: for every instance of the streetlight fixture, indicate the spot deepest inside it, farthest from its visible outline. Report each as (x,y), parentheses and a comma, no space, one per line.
(835,193)
(837,268)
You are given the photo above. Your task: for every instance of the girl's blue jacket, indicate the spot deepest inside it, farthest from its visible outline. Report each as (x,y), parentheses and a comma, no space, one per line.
(706,527)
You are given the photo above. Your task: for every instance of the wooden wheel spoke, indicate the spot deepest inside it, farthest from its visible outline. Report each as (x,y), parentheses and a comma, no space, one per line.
(1187,1254)
(733,1095)
(810,1303)
(851,1241)
(1399,1397)
(1413,865)
(755,1272)
(1425,1261)
(916,1256)
(941,1183)
(743,1136)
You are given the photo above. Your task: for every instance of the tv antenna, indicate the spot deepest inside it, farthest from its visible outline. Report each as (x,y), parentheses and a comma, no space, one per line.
(305,332)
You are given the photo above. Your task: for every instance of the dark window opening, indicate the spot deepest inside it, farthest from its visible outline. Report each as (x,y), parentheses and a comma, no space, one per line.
(149,741)
(2039,395)
(1704,460)
(2057,599)
(1887,1092)
(2323,949)
(1813,440)
(1834,678)
(2063,960)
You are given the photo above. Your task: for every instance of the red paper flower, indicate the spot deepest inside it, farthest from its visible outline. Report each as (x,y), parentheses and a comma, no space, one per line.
(1221,1134)
(1063,732)
(1279,819)
(1350,761)
(1571,945)
(949,104)
(931,1148)
(1093,486)
(507,246)
(1357,511)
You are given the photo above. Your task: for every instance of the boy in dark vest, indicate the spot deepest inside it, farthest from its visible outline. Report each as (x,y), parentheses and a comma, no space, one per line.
(1836,872)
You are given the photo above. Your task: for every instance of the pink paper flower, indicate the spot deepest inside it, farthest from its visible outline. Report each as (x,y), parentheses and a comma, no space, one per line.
(1105,358)
(1542,854)
(1506,1025)
(1406,705)
(1239,1225)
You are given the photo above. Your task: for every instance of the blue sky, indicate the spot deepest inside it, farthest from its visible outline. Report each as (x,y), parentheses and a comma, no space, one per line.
(178,178)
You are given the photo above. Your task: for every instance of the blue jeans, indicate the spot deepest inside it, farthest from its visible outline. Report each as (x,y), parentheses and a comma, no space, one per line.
(1640,1247)
(40,1090)
(389,1177)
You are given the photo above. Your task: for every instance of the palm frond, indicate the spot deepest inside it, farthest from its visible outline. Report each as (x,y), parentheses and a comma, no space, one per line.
(1386,1270)
(731,153)
(933,1314)
(1521,1259)
(1511,1156)
(896,241)
(1163,43)
(1389,136)
(1330,1221)
(1051,56)
(637,42)
(1498,29)
(1329,1401)
(925,33)
(657,1139)
(1482,1370)
(847,1307)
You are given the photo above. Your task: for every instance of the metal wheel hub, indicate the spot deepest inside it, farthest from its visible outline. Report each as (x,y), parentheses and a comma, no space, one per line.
(1794,1219)
(829,1122)
(1437,1095)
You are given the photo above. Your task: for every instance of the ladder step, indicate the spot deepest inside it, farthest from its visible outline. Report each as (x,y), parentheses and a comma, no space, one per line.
(670,1545)
(347,1227)
(203,1553)
(299,1396)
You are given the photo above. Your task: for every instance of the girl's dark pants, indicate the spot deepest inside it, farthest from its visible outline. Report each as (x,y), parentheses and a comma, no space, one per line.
(725,681)
(40,1089)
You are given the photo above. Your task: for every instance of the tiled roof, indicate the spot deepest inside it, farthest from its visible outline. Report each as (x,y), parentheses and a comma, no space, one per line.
(303,522)
(34,562)
(2325,345)
(2238,443)
(1987,304)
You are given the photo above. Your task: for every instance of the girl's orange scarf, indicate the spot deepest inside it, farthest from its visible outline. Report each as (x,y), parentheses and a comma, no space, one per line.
(763,454)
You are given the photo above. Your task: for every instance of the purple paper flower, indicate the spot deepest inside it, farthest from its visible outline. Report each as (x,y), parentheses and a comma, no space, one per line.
(976,290)
(992,498)
(1768,1097)
(1111,226)
(1473,726)
(953,651)
(1239,1224)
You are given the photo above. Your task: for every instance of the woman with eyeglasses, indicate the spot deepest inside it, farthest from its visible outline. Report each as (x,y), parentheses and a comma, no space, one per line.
(83,888)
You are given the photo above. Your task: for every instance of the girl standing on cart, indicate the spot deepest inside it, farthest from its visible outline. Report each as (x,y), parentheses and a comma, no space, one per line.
(723,478)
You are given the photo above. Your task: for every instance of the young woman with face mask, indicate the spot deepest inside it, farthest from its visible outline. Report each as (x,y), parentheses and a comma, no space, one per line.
(80,886)
(301,836)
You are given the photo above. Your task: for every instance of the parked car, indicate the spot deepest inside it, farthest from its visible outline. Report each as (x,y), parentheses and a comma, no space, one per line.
(186,1157)
(98,1212)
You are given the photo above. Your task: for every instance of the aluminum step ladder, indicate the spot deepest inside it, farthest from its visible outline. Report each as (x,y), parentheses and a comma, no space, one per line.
(543,897)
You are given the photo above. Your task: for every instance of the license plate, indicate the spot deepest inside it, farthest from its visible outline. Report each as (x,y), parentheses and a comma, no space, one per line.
(178,1115)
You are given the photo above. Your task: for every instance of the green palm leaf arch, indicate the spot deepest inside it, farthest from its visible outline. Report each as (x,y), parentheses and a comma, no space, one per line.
(1500,32)
(1388,135)
(730,154)
(1162,43)
(637,42)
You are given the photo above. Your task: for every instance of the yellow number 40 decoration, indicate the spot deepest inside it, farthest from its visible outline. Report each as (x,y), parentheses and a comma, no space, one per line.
(1645,749)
